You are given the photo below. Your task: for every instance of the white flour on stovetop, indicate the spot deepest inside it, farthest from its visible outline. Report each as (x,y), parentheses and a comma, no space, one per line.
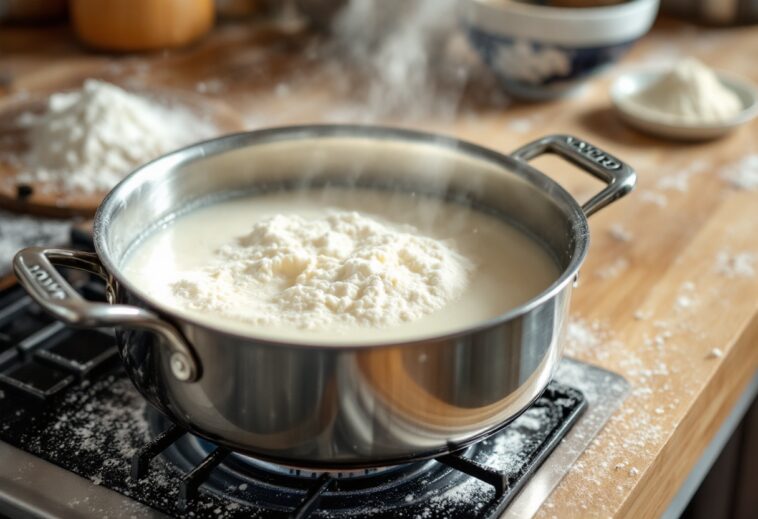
(82,427)
(506,454)
(343,268)
(19,231)
(88,140)
(106,421)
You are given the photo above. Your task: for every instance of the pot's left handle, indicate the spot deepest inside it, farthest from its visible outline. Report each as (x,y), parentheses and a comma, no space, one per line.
(619,176)
(34,269)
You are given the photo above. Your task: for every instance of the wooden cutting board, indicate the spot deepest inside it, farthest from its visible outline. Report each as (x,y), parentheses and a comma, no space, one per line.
(49,200)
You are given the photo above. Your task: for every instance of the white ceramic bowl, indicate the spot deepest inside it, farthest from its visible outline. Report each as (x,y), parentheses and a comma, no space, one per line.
(543,52)
(672,127)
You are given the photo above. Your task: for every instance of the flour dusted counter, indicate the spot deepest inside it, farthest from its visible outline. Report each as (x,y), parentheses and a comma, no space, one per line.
(669,294)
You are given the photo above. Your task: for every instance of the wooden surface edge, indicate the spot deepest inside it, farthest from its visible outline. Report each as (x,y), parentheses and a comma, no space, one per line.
(671,467)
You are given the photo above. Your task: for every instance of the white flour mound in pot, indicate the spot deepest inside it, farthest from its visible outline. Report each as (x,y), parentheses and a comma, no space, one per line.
(340,269)
(90,139)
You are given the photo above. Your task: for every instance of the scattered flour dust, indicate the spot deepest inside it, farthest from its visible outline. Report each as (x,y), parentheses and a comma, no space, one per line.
(507,453)
(614,269)
(620,233)
(736,265)
(634,431)
(523,125)
(102,425)
(687,297)
(680,181)
(19,231)
(743,174)
(618,457)
(581,336)
(631,434)
(88,140)
(653,198)
(340,269)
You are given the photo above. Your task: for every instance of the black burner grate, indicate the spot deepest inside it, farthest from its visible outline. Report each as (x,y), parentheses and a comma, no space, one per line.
(88,419)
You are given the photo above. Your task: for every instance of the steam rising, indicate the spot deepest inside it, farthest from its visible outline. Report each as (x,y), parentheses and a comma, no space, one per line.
(412,57)
(397,62)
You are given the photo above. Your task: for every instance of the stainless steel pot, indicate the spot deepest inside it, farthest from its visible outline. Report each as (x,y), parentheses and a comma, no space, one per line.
(335,406)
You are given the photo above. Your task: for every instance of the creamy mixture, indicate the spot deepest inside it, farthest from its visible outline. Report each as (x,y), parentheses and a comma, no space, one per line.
(340,266)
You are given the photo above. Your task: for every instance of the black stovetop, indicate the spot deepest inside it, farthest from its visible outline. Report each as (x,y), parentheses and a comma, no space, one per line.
(66,400)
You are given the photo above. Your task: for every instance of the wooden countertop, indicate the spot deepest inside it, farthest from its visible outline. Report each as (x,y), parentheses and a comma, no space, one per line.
(658,302)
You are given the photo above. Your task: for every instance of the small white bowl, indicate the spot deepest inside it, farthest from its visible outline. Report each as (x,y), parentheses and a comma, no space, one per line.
(670,126)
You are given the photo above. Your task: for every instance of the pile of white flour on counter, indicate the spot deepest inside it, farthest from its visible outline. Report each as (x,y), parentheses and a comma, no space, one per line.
(340,269)
(88,140)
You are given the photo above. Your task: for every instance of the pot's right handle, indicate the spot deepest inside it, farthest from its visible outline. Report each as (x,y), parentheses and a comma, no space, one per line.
(34,269)
(619,176)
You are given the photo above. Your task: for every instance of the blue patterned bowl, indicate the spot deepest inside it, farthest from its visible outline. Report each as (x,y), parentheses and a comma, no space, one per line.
(541,52)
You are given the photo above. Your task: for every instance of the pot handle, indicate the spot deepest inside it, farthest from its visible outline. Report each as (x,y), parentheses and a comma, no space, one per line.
(620,177)
(34,268)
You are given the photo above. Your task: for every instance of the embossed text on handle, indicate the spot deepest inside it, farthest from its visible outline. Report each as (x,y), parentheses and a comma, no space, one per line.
(50,286)
(594,154)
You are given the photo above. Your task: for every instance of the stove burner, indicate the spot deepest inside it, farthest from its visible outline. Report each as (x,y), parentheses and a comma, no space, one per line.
(497,467)
(205,447)
(249,475)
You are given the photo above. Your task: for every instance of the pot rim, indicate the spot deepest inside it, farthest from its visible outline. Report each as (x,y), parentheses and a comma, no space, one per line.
(141,176)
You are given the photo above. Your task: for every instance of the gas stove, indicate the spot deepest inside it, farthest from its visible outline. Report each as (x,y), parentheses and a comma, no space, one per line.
(77,440)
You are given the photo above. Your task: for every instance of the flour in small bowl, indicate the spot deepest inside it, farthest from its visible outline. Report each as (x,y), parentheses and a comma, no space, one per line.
(89,139)
(341,269)
(689,93)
